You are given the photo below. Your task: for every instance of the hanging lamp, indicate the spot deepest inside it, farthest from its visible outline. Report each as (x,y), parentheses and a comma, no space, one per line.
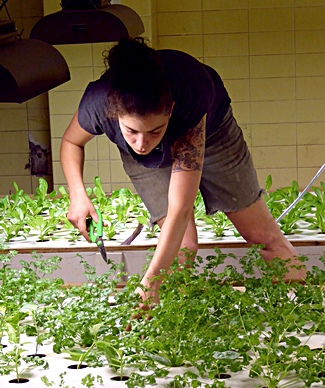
(28,67)
(86,21)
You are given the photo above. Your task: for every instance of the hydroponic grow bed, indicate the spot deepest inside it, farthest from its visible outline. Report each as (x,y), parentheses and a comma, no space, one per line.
(262,335)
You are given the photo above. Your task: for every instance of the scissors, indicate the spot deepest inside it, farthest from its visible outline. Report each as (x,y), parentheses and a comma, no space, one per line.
(96,233)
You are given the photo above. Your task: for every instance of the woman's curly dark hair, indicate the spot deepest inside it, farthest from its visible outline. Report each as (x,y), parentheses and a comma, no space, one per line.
(139,85)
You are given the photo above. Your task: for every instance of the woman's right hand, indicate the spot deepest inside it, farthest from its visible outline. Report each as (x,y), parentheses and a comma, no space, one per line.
(79,210)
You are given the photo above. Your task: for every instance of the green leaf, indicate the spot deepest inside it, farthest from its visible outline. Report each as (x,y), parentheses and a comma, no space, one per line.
(28,307)
(227,355)
(111,354)
(268,182)
(160,359)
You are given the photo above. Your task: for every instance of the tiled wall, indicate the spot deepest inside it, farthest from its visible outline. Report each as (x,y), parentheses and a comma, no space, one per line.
(86,64)
(271,55)
(18,121)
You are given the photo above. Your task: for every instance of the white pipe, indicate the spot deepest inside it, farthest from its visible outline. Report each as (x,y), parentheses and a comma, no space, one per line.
(301,195)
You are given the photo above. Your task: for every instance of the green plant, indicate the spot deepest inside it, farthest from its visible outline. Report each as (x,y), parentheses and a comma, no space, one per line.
(151,230)
(14,359)
(43,226)
(218,223)
(33,329)
(117,358)
(12,227)
(124,203)
(315,203)
(110,228)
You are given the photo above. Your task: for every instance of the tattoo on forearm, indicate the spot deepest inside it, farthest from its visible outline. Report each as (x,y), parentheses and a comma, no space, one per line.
(188,150)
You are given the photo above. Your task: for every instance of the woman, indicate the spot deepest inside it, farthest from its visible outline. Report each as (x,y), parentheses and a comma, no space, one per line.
(171,118)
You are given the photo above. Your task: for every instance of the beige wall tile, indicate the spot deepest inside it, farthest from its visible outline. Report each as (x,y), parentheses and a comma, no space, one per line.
(42,137)
(310,133)
(281,177)
(273,134)
(216,45)
(305,175)
(270,3)
(272,89)
(310,87)
(58,176)
(55,147)
(262,43)
(241,112)
(59,123)
(117,172)
(179,23)
(80,78)
(127,185)
(13,105)
(311,155)
(91,153)
(224,4)
(104,170)
(310,64)
(76,54)
(310,3)
(38,102)
(271,19)
(51,6)
(65,102)
(90,171)
(230,67)
(247,132)
(273,112)
(98,72)
(229,21)
(238,89)
(99,52)
(310,41)
(178,5)
(263,66)
(114,152)
(311,110)
(274,157)
(191,44)
(38,119)
(142,7)
(23,182)
(14,164)
(147,23)
(107,187)
(13,143)
(310,18)
(13,120)
(103,148)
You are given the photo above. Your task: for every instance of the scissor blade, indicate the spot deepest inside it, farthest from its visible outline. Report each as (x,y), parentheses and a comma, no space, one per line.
(103,252)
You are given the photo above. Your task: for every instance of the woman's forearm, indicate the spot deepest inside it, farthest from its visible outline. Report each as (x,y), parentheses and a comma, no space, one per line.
(169,243)
(72,162)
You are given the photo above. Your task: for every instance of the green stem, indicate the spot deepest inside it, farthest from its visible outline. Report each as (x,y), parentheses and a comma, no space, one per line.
(83,356)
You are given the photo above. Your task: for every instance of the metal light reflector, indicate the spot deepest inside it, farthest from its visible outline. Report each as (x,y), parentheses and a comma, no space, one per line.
(28,68)
(72,26)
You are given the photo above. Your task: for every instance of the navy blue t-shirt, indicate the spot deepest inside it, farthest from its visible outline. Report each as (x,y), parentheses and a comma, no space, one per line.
(197,90)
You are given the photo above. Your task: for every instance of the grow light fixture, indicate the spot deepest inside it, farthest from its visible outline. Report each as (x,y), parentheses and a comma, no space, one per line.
(28,67)
(86,21)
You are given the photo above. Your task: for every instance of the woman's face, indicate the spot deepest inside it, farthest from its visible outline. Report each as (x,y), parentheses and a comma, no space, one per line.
(143,133)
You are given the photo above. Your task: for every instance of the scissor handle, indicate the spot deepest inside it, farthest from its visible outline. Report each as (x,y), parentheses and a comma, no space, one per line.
(96,229)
